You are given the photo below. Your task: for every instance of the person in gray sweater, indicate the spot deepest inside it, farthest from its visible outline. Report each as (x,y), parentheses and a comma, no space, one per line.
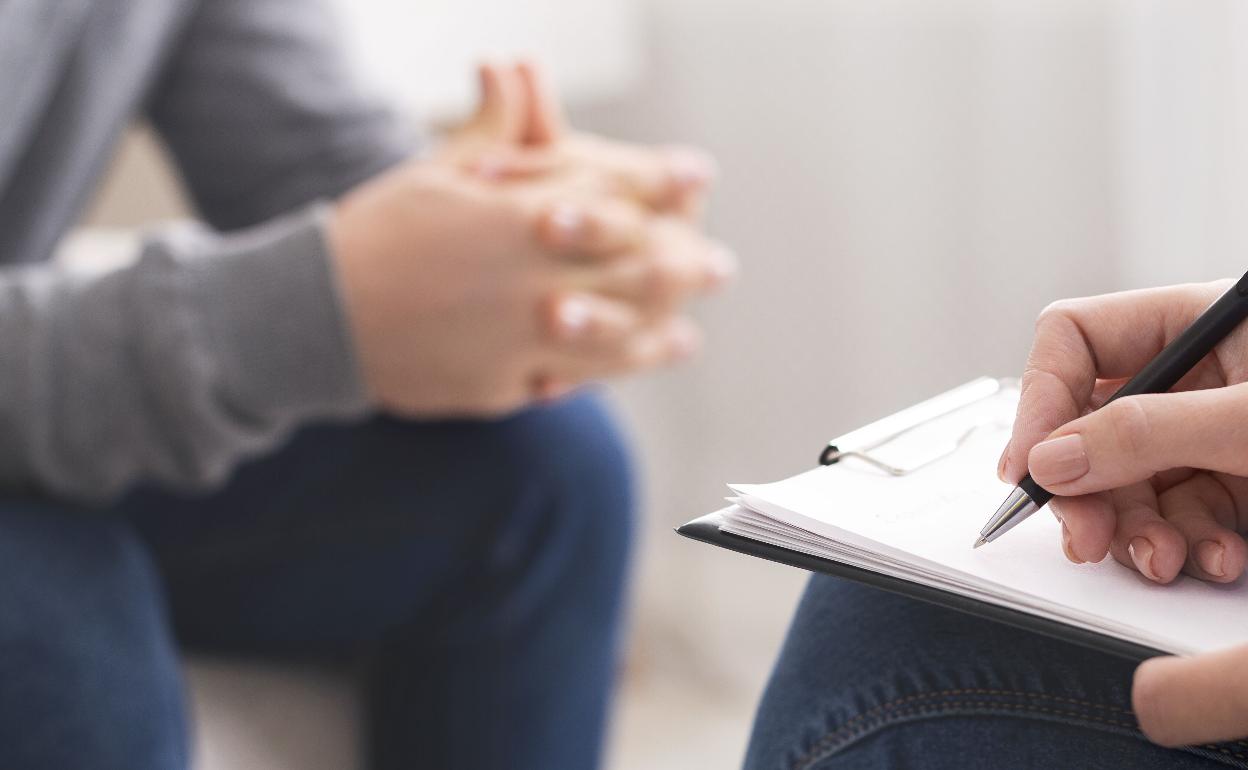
(338,420)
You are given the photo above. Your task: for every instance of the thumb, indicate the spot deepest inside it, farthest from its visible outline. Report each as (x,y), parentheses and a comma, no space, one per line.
(1182,701)
(502,113)
(1133,438)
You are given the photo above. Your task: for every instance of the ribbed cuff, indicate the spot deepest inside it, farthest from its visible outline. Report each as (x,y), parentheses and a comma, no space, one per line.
(273,312)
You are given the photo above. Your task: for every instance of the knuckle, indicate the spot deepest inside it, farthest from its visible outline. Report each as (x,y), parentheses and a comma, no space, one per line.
(663,282)
(1031,377)
(1041,396)
(564,225)
(1061,310)
(1129,420)
(1059,329)
(1198,494)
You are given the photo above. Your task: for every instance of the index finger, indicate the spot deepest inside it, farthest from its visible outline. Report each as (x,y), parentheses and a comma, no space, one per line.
(1078,341)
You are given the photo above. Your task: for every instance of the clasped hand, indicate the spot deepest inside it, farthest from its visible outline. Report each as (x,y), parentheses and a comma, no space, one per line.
(522,260)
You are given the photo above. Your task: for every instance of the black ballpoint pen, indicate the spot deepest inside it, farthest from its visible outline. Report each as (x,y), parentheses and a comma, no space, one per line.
(1161,374)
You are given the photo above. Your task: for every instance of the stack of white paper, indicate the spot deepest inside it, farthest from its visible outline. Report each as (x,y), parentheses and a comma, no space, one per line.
(920,527)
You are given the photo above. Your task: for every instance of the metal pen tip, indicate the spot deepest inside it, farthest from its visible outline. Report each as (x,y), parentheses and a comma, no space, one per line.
(1017,507)
(978,543)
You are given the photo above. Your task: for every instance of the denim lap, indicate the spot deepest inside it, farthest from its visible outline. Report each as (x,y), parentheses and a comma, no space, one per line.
(867,678)
(470,571)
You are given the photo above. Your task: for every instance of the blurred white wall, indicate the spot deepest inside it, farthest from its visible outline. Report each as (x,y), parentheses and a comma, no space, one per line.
(422,54)
(908,183)
(1183,163)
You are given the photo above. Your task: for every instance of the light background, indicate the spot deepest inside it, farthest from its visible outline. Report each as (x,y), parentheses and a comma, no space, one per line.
(908,183)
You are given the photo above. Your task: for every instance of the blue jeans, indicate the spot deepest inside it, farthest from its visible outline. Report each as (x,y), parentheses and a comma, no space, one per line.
(869,679)
(470,572)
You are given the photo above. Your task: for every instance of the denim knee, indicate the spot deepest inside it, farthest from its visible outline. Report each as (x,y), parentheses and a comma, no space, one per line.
(524,654)
(91,675)
(571,474)
(541,496)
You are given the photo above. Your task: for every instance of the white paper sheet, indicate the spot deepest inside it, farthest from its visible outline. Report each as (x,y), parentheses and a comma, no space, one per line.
(921,527)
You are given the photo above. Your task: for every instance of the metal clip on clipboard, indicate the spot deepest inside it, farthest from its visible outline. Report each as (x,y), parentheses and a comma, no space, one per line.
(862,442)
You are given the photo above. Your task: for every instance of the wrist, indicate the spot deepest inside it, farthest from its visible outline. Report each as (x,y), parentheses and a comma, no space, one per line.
(273,307)
(348,257)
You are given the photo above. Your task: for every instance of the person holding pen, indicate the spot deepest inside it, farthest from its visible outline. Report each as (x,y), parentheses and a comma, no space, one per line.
(1158,482)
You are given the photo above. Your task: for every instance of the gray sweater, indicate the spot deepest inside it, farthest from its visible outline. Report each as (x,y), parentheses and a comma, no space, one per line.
(216,342)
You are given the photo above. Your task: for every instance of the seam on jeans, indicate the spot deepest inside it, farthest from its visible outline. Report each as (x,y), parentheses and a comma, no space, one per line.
(902,708)
(1224,750)
(835,736)
(882,720)
(977,691)
(950,707)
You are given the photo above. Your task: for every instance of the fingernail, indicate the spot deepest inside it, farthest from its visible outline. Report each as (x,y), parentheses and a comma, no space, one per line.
(721,266)
(1058,460)
(1070,552)
(567,225)
(1005,454)
(691,168)
(1209,555)
(1141,551)
(573,317)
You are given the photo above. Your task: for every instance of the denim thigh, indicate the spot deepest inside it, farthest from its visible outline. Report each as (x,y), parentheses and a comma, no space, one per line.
(868,678)
(89,673)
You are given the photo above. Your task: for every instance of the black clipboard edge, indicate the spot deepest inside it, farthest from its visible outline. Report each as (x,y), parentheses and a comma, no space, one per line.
(706,530)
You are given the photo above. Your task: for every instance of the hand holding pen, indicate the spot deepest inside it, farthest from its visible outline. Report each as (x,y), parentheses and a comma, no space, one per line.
(1160,481)
(1155,479)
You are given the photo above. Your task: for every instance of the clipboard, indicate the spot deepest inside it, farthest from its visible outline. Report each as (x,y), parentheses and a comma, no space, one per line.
(865,443)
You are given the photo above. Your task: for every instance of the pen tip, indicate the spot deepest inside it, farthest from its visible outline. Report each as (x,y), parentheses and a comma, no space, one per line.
(978,542)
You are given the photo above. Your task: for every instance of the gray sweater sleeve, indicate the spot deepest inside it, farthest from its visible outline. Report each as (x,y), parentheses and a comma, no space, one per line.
(262,115)
(211,346)
(204,351)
